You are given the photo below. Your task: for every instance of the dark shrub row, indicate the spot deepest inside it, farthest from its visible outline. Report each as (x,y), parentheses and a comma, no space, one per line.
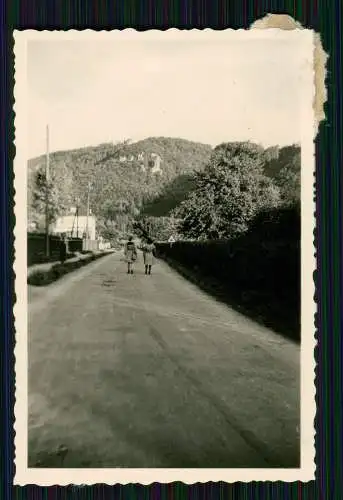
(45,277)
(36,248)
(258,271)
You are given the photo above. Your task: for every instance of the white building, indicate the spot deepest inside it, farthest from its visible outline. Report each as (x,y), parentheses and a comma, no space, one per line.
(76,226)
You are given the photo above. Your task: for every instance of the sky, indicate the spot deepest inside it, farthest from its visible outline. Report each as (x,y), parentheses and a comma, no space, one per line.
(91,92)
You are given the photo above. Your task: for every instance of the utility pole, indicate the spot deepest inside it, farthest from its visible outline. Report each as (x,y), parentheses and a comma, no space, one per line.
(77,216)
(87,232)
(47,180)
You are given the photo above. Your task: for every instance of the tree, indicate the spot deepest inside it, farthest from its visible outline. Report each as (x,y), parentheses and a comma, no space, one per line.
(289,184)
(57,192)
(108,229)
(158,228)
(228,194)
(288,179)
(284,167)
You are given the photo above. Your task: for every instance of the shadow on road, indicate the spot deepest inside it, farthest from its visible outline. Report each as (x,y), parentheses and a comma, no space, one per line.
(265,310)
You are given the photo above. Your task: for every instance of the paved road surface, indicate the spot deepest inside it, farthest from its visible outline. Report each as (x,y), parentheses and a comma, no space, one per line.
(148,371)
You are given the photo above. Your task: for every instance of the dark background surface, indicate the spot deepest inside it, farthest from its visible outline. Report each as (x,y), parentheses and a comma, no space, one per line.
(324,17)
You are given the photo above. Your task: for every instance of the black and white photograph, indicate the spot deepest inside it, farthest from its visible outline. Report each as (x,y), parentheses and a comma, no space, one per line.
(164,256)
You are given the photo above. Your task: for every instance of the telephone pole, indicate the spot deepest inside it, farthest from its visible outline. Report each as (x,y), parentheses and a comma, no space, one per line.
(77,216)
(47,180)
(87,232)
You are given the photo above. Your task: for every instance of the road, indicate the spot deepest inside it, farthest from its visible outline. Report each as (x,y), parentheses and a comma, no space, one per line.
(149,371)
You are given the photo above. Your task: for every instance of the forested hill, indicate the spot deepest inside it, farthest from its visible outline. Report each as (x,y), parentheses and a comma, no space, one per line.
(281,164)
(125,174)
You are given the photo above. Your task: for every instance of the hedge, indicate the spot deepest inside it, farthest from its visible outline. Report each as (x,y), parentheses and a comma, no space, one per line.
(36,248)
(258,271)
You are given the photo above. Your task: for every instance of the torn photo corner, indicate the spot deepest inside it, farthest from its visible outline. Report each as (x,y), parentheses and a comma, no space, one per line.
(164,314)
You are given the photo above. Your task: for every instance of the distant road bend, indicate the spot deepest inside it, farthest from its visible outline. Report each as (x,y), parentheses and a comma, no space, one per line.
(149,371)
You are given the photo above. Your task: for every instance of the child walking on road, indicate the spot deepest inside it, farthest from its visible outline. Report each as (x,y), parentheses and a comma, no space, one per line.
(130,252)
(148,255)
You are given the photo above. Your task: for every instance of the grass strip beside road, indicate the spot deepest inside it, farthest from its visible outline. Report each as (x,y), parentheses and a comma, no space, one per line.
(47,275)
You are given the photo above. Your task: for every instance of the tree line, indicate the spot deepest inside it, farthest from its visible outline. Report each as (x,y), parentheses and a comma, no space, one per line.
(240,182)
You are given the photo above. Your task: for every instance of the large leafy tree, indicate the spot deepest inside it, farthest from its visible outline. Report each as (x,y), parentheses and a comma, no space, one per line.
(228,194)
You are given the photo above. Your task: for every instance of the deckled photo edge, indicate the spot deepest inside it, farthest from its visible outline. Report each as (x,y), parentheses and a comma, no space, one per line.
(24,475)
